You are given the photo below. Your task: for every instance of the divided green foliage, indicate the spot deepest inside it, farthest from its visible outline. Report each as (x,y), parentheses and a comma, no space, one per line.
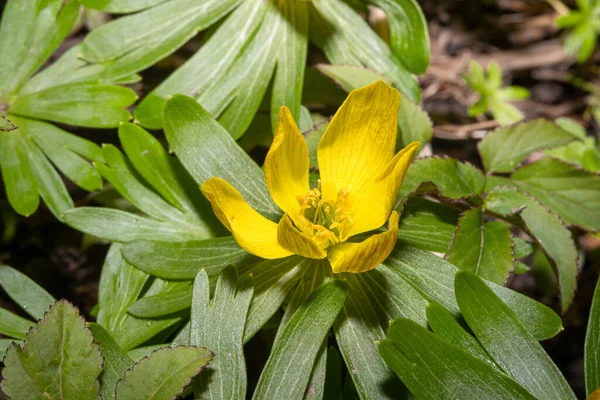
(218,324)
(592,346)
(547,229)
(69,91)
(485,249)
(58,359)
(583,24)
(164,374)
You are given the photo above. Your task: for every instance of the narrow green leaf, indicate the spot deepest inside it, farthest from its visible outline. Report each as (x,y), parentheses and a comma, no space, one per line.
(163,304)
(298,345)
(59,359)
(116,361)
(548,230)
(31,297)
(438,220)
(433,369)
(409,34)
(12,325)
(350,77)
(169,260)
(219,324)
(19,181)
(507,341)
(484,249)
(433,277)
(164,374)
(207,150)
(120,6)
(592,345)
(121,226)
(414,124)
(503,149)
(444,324)
(5,344)
(357,329)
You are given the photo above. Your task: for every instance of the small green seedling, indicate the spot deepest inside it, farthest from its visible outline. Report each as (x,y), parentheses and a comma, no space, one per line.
(584,24)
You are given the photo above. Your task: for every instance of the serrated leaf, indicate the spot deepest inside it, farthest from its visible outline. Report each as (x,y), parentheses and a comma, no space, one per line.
(451,178)
(218,324)
(549,232)
(207,150)
(58,360)
(592,345)
(164,374)
(32,298)
(427,225)
(503,149)
(433,369)
(572,193)
(485,249)
(507,340)
(433,278)
(169,260)
(299,342)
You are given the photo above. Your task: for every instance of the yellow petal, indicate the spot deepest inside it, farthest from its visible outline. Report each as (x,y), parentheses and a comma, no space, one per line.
(296,241)
(287,163)
(366,255)
(373,204)
(360,139)
(253,232)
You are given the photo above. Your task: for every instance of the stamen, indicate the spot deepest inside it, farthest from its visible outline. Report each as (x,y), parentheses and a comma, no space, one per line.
(329,221)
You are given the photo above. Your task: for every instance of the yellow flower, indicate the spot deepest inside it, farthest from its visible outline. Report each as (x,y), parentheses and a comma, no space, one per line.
(360,179)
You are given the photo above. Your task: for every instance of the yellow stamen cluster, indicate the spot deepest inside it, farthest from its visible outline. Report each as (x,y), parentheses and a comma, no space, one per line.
(328,221)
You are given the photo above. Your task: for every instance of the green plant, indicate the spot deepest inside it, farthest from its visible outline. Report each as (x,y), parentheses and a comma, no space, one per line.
(69,91)
(585,25)
(493,97)
(499,359)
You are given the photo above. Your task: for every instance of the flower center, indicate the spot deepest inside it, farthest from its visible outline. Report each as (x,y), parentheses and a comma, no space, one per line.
(328,220)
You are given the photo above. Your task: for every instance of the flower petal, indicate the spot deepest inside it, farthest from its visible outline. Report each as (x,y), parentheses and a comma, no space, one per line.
(253,232)
(287,163)
(366,255)
(296,241)
(360,139)
(373,204)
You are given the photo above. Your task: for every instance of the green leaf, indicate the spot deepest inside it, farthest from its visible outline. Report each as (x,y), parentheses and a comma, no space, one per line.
(139,40)
(177,297)
(207,150)
(350,77)
(6,125)
(80,104)
(169,260)
(522,247)
(572,193)
(120,6)
(219,324)
(445,326)
(12,325)
(273,281)
(59,359)
(434,369)
(409,34)
(433,278)
(592,345)
(164,374)
(356,331)
(19,180)
(116,361)
(503,149)
(31,297)
(5,344)
(427,225)
(451,178)
(30,32)
(120,286)
(549,232)
(486,249)
(507,341)
(299,342)
(352,34)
